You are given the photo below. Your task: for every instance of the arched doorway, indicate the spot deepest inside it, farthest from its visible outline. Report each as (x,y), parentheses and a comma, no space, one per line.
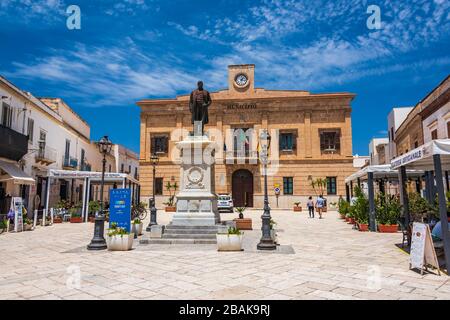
(242,188)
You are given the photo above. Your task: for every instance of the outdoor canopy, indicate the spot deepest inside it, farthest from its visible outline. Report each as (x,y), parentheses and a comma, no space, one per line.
(422,157)
(13,172)
(380,171)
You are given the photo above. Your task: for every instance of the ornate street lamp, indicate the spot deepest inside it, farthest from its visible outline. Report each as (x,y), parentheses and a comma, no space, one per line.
(266,242)
(98,241)
(154,160)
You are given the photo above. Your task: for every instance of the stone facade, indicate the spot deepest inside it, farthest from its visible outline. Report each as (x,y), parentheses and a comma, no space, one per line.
(304,120)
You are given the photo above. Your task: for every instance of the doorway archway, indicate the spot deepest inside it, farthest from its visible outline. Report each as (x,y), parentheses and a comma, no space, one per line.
(242,188)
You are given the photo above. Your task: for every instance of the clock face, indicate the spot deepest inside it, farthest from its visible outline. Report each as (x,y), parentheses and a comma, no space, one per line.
(241,80)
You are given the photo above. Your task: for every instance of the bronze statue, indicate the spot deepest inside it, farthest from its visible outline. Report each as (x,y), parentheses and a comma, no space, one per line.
(198,104)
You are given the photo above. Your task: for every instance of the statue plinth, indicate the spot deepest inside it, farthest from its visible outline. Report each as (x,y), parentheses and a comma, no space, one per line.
(197,200)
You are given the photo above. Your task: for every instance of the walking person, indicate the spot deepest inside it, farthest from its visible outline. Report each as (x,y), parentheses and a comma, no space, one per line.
(310,205)
(320,203)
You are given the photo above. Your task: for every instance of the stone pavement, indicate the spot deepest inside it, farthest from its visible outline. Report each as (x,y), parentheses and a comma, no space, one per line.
(318,259)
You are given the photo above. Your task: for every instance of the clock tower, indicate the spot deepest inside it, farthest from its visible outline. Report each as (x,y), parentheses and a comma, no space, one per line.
(241,78)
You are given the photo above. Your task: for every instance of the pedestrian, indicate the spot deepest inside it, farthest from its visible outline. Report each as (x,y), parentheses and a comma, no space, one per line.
(320,203)
(310,205)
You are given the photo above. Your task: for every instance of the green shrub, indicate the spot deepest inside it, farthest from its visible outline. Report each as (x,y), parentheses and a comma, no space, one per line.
(360,207)
(388,209)
(235,231)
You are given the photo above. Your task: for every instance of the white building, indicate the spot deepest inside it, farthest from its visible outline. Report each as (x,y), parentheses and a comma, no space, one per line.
(45,134)
(395,118)
(377,150)
(127,161)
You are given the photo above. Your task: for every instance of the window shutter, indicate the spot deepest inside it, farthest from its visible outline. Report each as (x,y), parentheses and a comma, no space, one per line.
(153,145)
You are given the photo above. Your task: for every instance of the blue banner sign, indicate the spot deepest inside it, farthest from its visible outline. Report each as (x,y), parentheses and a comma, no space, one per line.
(120,208)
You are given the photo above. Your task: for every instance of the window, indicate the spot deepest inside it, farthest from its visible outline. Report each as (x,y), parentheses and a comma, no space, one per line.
(287,141)
(135,173)
(159,144)
(83,154)
(331,185)
(392,133)
(30,129)
(67,151)
(330,141)
(121,168)
(129,169)
(6,115)
(448,129)
(110,168)
(416,144)
(158,186)
(288,185)
(434,134)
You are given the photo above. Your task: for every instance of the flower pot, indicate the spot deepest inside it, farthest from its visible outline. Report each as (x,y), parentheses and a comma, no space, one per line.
(351,221)
(76,220)
(363,227)
(120,242)
(137,228)
(27,227)
(297,209)
(347,219)
(229,242)
(342,216)
(243,224)
(170,209)
(384,228)
(57,220)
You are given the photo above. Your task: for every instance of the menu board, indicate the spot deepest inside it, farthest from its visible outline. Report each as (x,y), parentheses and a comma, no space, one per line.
(422,249)
(120,208)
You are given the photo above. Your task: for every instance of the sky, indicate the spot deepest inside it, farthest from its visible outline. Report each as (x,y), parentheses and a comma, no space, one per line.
(127,50)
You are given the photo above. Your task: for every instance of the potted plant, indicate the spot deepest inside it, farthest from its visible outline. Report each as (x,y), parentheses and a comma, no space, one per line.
(343,208)
(241,222)
(3,225)
(27,224)
(230,241)
(361,210)
(137,226)
(94,207)
(170,204)
(75,214)
(118,239)
(388,210)
(297,207)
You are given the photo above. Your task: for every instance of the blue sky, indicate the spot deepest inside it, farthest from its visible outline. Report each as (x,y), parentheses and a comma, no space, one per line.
(132,49)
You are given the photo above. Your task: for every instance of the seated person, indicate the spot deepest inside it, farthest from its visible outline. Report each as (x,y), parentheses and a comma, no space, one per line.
(436,234)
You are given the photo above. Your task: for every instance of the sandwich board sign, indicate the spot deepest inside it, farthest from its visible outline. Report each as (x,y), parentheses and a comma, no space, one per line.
(422,252)
(120,208)
(17,207)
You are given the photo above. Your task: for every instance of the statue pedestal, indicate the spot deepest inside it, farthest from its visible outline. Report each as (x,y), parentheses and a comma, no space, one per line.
(197,200)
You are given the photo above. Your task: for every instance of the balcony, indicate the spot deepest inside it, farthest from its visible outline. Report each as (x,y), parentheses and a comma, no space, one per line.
(69,163)
(85,167)
(13,145)
(45,155)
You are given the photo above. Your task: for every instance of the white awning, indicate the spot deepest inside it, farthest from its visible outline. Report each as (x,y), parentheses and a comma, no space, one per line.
(94,176)
(380,171)
(422,157)
(13,172)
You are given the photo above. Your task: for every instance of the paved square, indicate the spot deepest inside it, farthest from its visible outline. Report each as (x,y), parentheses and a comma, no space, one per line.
(318,259)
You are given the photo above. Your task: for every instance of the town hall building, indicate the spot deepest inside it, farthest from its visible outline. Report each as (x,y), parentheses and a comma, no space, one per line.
(311,138)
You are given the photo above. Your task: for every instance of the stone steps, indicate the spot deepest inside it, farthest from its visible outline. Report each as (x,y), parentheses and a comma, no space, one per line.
(189,236)
(178,241)
(190,231)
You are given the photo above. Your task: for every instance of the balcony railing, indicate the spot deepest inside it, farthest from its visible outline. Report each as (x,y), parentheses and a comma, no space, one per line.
(13,145)
(46,155)
(85,167)
(69,163)
(241,154)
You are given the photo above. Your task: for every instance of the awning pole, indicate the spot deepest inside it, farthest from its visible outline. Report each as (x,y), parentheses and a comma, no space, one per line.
(404,197)
(47,198)
(83,204)
(372,223)
(442,209)
(88,193)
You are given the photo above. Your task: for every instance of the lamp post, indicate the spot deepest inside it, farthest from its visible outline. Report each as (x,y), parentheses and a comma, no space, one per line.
(266,242)
(98,241)
(154,160)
